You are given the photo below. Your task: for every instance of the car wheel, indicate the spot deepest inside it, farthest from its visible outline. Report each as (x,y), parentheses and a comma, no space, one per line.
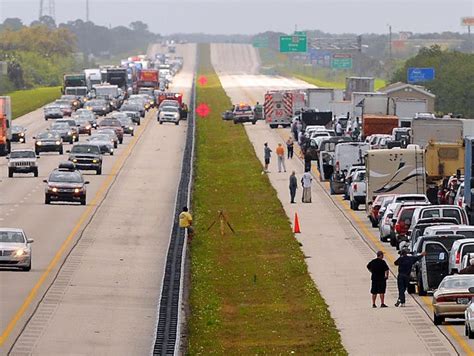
(466,329)
(99,171)
(37,152)
(77,139)
(47,199)
(273,126)
(254,122)
(138,123)
(133,133)
(393,242)
(438,320)
(470,334)
(112,153)
(421,291)
(356,205)
(121,141)
(27,268)
(373,222)
(176,123)
(71,141)
(35,172)
(351,204)
(61,151)
(115,144)
(10,173)
(83,201)
(161,122)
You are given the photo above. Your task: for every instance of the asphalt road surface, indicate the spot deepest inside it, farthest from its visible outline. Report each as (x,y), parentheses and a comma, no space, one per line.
(337,241)
(97,269)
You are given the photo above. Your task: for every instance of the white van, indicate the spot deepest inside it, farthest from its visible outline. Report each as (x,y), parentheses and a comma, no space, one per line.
(460,249)
(438,211)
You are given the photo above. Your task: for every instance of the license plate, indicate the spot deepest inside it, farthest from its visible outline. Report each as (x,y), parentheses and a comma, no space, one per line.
(463,300)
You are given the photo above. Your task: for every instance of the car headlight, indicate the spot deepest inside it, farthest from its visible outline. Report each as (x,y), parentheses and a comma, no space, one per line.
(104,108)
(147,106)
(20,252)
(57,142)
(69,133)
(54,189)
(151,102)
(74,160)
(88,127)
(77,190)
(95,161)
(75,103)
(39,143)
(89,107)
(111,150)
(22,134)
(130,128)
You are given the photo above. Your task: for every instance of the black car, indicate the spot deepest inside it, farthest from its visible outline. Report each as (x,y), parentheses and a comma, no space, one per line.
(48,141)
(65,184)
(86,156)
(64,130)
(98,106)
(18,134)
(105,143)
(73,126)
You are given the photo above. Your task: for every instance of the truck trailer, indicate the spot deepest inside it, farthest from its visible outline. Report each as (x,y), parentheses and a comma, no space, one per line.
(5,125)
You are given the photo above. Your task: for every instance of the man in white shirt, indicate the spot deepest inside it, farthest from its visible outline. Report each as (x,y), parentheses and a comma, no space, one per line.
(306,181)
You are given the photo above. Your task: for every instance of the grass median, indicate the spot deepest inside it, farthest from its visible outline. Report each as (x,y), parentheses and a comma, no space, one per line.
(25,101)
(251,292)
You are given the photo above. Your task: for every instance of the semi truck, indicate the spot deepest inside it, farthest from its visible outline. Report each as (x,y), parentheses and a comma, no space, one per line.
(148,78)
(395,171)
(319,98)
(93,77)
(281,105)
(74,80)
(378,124)
(5,125)
(118,77)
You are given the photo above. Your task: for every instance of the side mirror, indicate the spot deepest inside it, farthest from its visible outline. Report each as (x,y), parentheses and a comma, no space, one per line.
(394,221)
(471,289)
(34,137)
(30,241)
(68,151)
(7,157)
(86,182)
(38,157)
(45,181)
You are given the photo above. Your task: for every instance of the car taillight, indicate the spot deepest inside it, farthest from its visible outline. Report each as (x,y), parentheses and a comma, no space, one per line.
(355,187)
(445,299)
(337,166)
(460,203)
(458,256)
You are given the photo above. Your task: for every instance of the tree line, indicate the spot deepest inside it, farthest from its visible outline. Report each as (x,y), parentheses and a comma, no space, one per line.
(40,54)
(454,79)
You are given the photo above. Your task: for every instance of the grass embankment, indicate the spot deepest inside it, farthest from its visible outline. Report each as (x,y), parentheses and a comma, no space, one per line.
(24,101)
(251,292)
(379,83)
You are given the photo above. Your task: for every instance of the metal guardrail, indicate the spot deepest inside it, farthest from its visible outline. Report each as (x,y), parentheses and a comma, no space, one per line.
(168,326)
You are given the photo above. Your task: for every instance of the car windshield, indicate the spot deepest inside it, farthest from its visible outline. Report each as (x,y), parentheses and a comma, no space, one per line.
(22,154)
(60,126)
(436,213)
(99,138)
(109,122)
(16,129)
(119,115)
(47,135)
(169,109)
(457,283)
(125,121)
(130,107)
(65,177)
(63,102)
(11,237)
(96,103)
(85,149)
(243,108)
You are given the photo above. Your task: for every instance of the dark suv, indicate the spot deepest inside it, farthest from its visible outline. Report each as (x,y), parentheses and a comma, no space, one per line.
(86,156)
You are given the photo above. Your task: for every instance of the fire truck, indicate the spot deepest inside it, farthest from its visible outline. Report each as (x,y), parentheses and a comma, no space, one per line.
(281,105)
(5,125)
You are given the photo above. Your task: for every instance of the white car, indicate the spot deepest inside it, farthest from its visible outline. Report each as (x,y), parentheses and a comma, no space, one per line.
(386,222)
(22,161)
(169,114)
(15,249)
(357,189)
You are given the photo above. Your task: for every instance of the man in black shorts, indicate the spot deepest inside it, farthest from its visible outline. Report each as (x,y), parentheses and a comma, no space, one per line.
(379,269)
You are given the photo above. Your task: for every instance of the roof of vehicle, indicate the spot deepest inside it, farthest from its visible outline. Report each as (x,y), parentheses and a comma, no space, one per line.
(11,229)
(431,221)
(66,166)
(22,150)
(453,227)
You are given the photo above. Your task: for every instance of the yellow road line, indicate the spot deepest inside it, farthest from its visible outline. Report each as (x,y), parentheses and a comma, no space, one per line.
(86,215)
(388,254)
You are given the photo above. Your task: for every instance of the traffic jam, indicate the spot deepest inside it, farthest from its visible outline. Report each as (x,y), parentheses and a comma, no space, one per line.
(407,169)
(98,109)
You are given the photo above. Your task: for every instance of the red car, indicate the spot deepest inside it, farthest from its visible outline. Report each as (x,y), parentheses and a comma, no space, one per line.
(109,123)
(375,207)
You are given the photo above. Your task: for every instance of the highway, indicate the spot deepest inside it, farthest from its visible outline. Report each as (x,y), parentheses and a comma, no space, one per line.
(97,269)
(332,232)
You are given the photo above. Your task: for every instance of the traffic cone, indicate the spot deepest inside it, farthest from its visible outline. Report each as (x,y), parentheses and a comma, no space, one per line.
(296,225)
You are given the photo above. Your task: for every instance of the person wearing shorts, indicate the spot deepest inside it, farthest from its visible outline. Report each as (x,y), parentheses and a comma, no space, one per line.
(379,270)
(267,153)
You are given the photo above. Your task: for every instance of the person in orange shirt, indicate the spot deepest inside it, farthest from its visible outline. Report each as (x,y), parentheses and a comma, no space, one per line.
(280,151)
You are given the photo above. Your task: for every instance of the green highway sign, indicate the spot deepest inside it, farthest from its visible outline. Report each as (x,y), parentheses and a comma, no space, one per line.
(260,42)
(295,43)
(300,33)
(341,61)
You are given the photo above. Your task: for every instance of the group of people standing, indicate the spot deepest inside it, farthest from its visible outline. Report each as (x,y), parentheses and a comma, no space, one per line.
(306,179)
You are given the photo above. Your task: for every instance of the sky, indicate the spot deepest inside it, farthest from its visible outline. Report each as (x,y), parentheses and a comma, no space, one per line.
(254,16)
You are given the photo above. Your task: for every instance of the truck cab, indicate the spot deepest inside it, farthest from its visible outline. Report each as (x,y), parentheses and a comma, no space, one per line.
(5,125)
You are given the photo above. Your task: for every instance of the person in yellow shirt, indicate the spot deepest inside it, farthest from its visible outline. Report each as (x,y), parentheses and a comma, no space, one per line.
(186,222)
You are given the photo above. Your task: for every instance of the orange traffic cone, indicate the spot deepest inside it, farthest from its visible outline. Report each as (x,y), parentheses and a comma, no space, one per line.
(296,225)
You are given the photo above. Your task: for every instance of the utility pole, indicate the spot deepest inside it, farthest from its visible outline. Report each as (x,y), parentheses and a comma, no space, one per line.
(390,41)
(49,7)
(87,10)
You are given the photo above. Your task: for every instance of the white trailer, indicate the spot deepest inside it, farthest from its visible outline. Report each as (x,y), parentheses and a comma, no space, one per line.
(408,108)
(361,103)
(425,130)
(320,98)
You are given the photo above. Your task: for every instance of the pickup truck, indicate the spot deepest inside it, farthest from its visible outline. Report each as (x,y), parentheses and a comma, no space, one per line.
(243,113)
(357,189)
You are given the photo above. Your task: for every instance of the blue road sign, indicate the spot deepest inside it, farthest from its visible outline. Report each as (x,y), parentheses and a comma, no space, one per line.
(417,75)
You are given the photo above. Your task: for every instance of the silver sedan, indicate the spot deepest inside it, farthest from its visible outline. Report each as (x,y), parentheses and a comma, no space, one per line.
(15,249)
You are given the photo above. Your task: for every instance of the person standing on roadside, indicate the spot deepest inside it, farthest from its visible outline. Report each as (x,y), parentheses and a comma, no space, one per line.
(267,153)
(293,187)
(306,181)
(339,130)
(289,147)
(379,270)
(280,151)
(294,129)
(405,264)
(186,222)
